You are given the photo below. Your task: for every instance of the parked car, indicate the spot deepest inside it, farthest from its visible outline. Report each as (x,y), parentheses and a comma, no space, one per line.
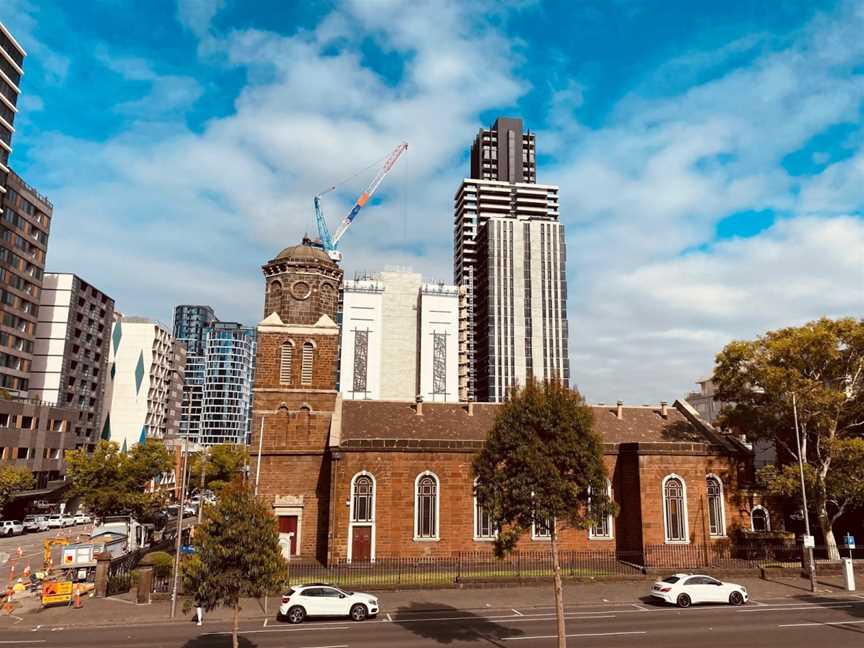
(68,520)
(55,521)
(685,590)
(324,600)
(82,518)
(11,528)
(35,522)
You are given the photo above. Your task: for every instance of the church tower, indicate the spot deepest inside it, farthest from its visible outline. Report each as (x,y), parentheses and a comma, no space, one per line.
(295,394)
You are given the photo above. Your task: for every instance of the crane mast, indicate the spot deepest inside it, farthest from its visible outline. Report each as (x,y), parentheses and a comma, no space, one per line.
(329,243)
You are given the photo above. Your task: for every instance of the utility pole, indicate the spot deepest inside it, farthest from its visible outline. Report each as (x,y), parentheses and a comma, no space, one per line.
(185,460)
(810,560)
(201,491)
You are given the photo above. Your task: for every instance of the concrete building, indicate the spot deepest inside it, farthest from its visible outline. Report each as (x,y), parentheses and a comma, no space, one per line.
(142,351)
(11,69)
(26,220)
(399,338)
(174,406)
(229,374)
(509,259)
(35,435)
(70,363)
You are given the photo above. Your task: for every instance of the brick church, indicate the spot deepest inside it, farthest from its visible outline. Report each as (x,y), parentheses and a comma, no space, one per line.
(355,480)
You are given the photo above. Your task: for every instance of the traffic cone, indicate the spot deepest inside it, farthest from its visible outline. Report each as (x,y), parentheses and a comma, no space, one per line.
(77,594)
(26,573)
(19,551)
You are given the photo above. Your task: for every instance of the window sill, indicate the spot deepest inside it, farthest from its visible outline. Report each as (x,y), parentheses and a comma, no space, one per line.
(721,536)
(416,539)
(483,539)
(601,538)
(541,539)
(676,542)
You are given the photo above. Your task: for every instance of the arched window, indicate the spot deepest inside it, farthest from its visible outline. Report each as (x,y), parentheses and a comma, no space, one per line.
(275,297)
(426,507)
(675,509)
(362,499)
(306,370)
(760,521)
(603,529)
(285,357)
(716,517)
(483,528)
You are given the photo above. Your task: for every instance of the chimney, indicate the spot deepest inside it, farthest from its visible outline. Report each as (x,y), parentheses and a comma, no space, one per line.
(419,402)
(619,414)
(470,408)
(664,411)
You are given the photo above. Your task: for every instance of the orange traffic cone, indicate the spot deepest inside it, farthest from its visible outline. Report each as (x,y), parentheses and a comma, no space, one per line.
(27,571)
(77,594)
(19,551)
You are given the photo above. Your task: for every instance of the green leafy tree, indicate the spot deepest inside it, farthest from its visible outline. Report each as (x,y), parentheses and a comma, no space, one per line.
(822,364)
(12,480)
(237,553)
(543,463)
(221,464)
(111,482)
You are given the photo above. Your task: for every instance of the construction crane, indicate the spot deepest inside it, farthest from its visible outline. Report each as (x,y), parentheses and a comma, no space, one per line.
(330,243)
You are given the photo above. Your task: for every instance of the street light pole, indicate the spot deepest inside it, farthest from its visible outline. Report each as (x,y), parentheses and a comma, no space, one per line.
(201,492)
(185,459)
(810,560)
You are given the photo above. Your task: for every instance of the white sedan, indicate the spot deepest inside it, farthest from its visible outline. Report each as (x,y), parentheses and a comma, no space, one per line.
(684,590)
(325,601)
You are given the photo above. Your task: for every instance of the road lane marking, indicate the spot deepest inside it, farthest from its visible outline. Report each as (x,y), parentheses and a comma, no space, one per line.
(339,646)
(584,634)
(826,623)
(311,629)
(639,607)
(791,609)
(389,618)
(517,612)
(22,641)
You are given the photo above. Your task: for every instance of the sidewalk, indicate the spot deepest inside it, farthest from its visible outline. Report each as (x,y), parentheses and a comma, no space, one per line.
(122,610)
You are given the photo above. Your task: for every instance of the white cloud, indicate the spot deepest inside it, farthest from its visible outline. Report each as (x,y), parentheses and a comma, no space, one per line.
(197,15)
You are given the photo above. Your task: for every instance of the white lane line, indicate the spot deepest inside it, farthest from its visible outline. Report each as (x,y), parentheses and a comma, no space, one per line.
(339,646)
(639,607)
(586,634)
(791,609)
(265,623)
(826,623)
(546,619)
(759,603)
(28,641)
(389,618)
(517,612)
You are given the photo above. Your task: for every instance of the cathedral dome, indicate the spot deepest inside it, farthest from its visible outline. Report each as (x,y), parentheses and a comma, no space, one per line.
(304,252)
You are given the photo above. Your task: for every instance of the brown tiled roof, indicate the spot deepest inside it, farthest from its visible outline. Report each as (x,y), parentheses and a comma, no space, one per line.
(364,420)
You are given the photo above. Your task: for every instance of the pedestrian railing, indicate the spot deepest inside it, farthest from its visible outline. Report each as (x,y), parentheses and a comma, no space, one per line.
(721,555)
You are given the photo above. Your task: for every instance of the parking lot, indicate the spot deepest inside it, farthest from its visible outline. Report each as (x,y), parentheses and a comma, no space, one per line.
(31,547)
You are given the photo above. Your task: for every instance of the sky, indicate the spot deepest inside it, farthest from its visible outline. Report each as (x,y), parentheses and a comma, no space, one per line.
(710,155)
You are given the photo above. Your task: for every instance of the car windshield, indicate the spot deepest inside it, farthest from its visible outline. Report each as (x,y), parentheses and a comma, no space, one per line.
(671,579)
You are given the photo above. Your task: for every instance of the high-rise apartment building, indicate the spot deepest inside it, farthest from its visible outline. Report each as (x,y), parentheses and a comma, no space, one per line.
(11,69)
(174,406)
(142,352)
(229,374)
(399,338)
(190,327)
(70,363)
(509,262)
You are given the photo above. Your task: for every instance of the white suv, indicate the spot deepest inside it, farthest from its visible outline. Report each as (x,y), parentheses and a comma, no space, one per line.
(325,600)
(11,528)
(35,523)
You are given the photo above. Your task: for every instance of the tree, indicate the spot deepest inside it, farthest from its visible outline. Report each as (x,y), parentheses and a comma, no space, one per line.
(222,463)
(543,462)
(237,553)
(822,364)
(111,482)
(12,480)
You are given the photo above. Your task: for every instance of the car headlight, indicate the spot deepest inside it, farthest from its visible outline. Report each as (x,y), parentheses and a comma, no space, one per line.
(373,602)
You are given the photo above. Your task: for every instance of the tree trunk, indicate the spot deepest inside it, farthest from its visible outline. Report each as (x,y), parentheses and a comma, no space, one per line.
(559,591)
(235,643)
(828,533)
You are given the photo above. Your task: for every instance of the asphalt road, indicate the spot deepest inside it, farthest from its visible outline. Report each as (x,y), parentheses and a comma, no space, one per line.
(791,624)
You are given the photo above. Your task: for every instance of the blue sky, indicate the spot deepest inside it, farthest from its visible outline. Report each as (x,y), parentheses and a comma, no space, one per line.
(710,155)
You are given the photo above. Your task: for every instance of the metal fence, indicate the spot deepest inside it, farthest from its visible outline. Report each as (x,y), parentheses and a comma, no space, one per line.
(722,556)
(464,568)
(120,572)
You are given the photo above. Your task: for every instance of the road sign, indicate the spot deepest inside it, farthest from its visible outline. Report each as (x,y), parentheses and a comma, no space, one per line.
(56,592)
(809,543)
(849,541)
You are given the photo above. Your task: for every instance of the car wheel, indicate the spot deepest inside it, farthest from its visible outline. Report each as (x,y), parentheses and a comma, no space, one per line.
(684,601)
(296,614)
(736,598)
(359,612)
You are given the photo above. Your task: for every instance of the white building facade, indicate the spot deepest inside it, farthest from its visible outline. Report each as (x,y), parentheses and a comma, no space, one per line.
(399,338)
(140,366)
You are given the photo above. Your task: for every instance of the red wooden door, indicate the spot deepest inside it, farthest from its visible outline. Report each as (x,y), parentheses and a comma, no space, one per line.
(361,544)
(288,524)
